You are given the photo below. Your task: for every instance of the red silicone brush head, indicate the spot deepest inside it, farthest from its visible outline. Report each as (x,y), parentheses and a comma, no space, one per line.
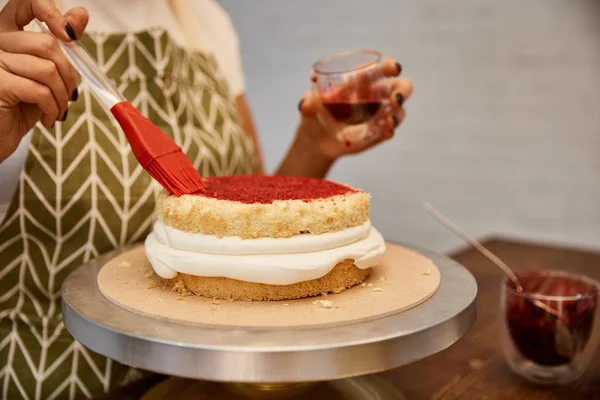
(176,174)
(157,153)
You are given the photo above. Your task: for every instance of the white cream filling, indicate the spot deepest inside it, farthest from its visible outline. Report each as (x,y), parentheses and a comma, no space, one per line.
(267,260)
(235,245)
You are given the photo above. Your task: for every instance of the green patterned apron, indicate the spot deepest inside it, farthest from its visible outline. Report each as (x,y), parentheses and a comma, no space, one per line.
(82,193)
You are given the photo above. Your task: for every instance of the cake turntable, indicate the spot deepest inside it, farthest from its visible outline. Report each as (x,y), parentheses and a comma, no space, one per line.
(214,357)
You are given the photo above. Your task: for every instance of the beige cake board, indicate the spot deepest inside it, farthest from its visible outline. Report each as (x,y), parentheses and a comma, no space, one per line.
(404,279)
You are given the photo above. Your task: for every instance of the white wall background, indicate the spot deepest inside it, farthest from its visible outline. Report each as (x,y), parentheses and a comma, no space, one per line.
(503,130)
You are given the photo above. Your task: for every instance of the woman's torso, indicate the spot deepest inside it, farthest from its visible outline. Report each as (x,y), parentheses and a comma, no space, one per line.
(80,192)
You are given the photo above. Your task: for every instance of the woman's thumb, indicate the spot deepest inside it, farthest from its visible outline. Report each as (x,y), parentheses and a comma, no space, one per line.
(308,104)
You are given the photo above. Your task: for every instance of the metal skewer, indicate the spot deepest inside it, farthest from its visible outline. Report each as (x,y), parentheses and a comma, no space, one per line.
(488,254)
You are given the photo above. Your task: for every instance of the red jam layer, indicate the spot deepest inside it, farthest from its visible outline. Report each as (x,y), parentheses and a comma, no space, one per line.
(265,189)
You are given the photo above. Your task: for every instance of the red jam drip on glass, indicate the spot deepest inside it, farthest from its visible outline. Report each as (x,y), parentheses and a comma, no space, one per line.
(266,189)
(540,336)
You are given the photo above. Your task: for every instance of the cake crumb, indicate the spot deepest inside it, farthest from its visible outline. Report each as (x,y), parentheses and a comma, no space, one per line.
(323,303)
(148,275)
(285,304)
(231,300)
(427,271)
(125,264)
(179,298)
(180,288)
(213,307)
(125,282)
(151,285)
(369,285)
(476,364)
(364,284)
(215,301)
(377,289)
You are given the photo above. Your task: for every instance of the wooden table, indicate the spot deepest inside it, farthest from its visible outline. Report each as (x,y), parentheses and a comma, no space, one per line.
(474,368)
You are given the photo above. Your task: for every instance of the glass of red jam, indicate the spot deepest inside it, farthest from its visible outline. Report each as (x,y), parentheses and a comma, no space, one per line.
(549,325)
(355,94)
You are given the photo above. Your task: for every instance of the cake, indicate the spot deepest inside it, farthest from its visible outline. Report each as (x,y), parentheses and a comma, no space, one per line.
(258,237)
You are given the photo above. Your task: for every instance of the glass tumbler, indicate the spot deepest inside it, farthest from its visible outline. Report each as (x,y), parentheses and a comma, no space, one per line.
(354,93)
(549,326)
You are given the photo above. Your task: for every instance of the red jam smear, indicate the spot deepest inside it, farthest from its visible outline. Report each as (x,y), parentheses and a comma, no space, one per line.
(265,189)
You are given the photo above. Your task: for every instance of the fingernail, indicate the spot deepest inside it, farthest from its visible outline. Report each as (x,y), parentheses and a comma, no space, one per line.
(396,120)
(75,95)
(70,31)
(65,116)
(300,105)
(399,66)
(399,99)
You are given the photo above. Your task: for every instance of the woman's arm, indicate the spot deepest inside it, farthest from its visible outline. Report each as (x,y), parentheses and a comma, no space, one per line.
(304,157)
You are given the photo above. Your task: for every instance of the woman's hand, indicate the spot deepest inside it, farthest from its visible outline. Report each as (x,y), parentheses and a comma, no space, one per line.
(316,148)
(36,79)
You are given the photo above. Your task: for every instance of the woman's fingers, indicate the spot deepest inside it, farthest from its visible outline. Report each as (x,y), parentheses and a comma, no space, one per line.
(40,70)
(393,122)
(78,19)
(391,67)
(18,13)
(42,46)
(17,89)
(400,90)
(384,132)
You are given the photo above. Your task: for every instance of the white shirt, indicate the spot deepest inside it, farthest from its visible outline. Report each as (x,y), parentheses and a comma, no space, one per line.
(215,34)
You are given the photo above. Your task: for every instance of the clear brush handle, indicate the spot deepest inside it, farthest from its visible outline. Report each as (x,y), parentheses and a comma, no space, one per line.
(90,71)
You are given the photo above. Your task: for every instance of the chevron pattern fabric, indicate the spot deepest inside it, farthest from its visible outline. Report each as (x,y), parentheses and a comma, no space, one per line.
(82,193)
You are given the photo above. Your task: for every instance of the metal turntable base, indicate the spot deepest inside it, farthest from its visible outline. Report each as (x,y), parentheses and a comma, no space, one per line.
(274,356)
(370,387)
